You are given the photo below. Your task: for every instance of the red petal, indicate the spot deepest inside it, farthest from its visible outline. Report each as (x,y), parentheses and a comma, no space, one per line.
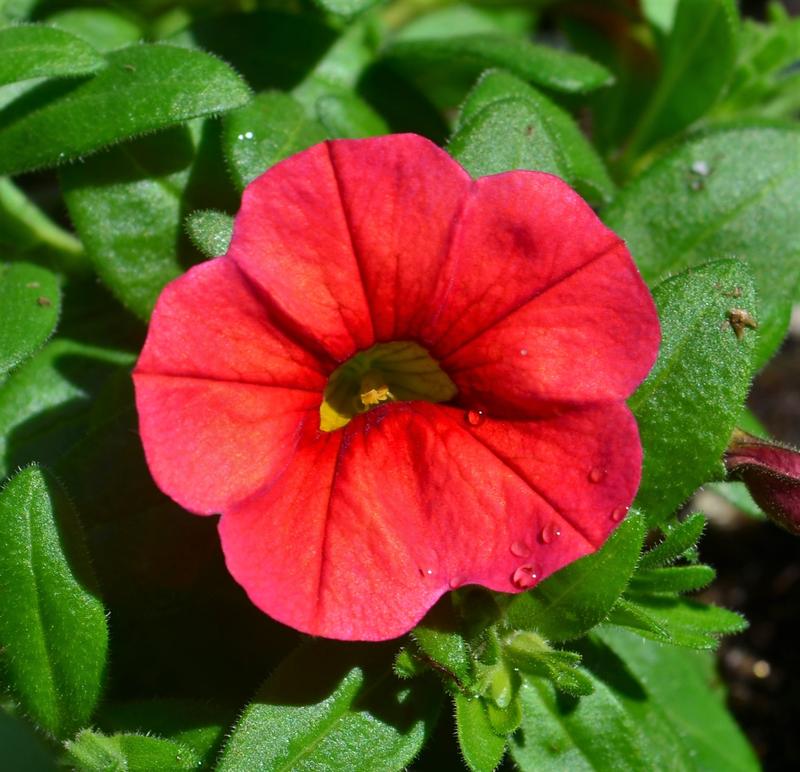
(368,526)
(219,390)
(589,337)
(541,299)
(402,196)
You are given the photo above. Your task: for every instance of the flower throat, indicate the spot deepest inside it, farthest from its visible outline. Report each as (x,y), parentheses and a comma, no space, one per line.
(400,371)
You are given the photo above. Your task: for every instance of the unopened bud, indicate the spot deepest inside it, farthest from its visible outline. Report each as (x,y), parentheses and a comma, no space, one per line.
(771,473)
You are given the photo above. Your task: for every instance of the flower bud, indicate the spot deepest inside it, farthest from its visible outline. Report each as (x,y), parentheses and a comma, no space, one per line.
(771,473)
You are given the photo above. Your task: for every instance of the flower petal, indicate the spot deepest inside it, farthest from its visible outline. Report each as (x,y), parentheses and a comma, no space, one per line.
(402,196)
(543,295)
(590,337)
(220,391)
(367,527)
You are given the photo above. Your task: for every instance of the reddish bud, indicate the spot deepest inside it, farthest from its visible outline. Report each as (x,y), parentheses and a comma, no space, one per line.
(771,473)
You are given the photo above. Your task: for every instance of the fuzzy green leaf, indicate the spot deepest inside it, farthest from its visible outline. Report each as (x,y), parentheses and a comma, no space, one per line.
(210,231)
(53,631)
(36,51)
(128,205)
(689,404)
(677,703)
(724,193)
(345,8)
(481,747)
(345,114)
(676,541)
(44,404)
(335,706)
(682,622)
(143,88)
(102,28)
(561,732)
(507,124)
(572,601)
(673,579)
(30,302)
(698,61)
(20,749)
(440,639)
(92,751)
(272,127)
(543,65)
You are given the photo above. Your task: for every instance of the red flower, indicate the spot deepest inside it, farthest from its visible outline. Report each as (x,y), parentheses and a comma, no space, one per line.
(490,446)
(771,473)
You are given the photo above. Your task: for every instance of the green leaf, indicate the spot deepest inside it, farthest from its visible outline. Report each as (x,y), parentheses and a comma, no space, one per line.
(506,124)
(92,751)
(573,600)
(272,127)
(100,27)
(128,205)
(673,579)
(53,631)
(543,65)
(345,8)
(690,402)
(190,723)
(683,622)
(561,667)
(20,749)
(698,61)
(680,703)
(677,540)
(481,747)
(337,706)
(724,193)
(36,51)
(143,88)
(440,639)
(27,232)
(736,493)
(561,732)
(271,49)
(344,114)
(30,303)
(45,403)
(210,231)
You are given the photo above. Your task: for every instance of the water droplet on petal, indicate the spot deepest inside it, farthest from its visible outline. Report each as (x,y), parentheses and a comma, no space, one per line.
(523,352)
(596,475)
(618,513)
(550,533)
(454,583)
(475,417)
(520,549)
(524,577)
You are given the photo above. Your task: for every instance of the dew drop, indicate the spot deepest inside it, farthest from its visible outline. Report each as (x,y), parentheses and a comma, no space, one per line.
(241,136)
(475,417)
(549,533)
(618,513)
(596,475)
(524,577)
(454,583)
(520,549)
(523,352)
(701,168)
(248,135)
